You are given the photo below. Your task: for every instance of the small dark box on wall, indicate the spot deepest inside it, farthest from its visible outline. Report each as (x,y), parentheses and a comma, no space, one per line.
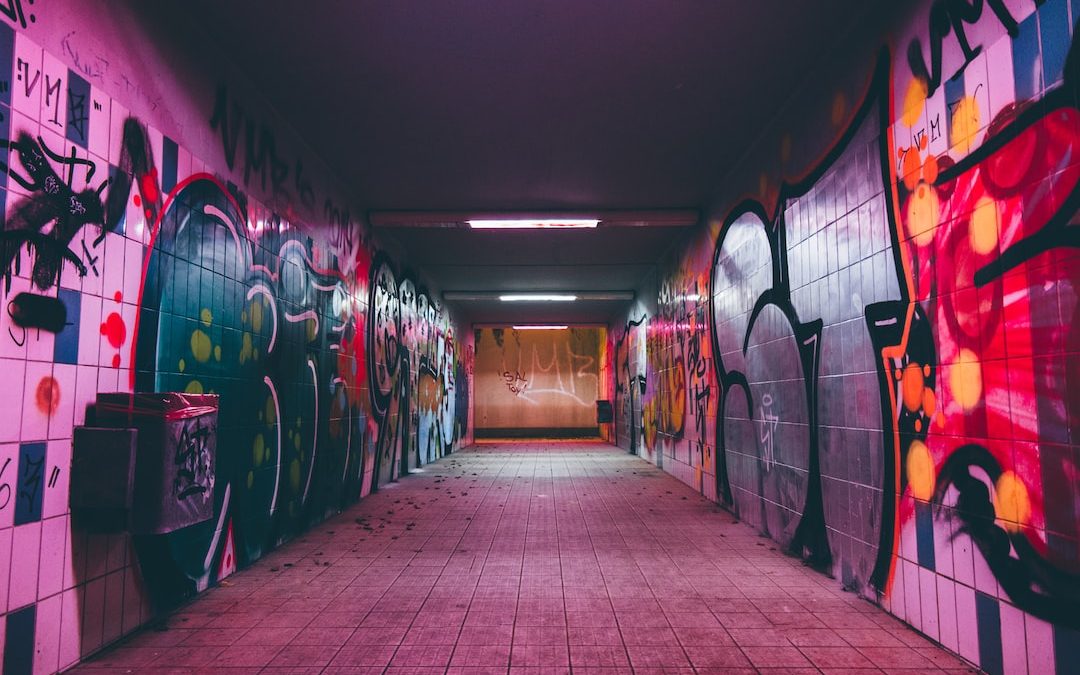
(102,477)
(603,412)
(175,463)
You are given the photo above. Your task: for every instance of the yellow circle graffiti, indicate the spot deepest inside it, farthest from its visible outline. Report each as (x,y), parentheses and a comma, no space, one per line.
(965,379)
(965,123)
(914,100)
(923,213)
(1011,502)
(985,223)
(920,471)
(258,448)
(201,346)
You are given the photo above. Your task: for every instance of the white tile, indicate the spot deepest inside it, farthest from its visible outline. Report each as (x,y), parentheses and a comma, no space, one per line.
(29,79)
(25,557)
(928,603)
(1013,649)
(70,628)
(943,549)
(54,534)
(89,329)
(47,636)
(1001,85)
(949,631)
(912,594)
(75,559)
(108,379)
(62,419)
(963,560)
(133,271)
(967,623)
(40,344)
(12,337)
(35,419)
(86,387)
(9,481)
(11,399)
(897,596)
(54,98)
(112,261)
(99,122)
(5,567)
(57,478)
(985,580)
(1040,645)
(117,115)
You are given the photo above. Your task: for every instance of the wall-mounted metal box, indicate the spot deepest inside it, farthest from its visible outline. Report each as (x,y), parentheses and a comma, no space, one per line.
(175,456)
(102,478)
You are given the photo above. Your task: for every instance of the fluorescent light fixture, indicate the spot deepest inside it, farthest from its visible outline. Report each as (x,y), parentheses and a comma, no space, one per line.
(532,223)
(539,327)
(537,297)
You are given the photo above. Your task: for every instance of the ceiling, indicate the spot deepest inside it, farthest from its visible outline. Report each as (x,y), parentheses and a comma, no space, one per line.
(538,105)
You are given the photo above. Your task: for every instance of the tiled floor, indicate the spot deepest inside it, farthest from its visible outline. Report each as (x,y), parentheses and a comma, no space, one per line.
(530,558)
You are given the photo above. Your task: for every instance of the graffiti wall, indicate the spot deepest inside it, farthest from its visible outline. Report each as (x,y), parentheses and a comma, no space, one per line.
(133,261)
(886,331)
(537,381)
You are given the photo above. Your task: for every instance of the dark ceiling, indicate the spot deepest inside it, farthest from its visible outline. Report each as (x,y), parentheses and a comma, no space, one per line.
(562,105)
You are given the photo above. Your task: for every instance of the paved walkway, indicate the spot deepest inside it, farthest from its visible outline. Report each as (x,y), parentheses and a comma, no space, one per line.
(529,558)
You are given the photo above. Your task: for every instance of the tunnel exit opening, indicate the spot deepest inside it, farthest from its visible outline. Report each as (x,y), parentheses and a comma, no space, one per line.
(535,381)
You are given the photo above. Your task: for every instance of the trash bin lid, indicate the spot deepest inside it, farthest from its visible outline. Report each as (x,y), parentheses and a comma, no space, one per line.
(168,405)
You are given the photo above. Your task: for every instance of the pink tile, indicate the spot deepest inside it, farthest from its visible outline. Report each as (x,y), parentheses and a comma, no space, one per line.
(25,565)
(1014,652)
(70,627)
(47,635)
(57,477)
(950,635)
(54,534)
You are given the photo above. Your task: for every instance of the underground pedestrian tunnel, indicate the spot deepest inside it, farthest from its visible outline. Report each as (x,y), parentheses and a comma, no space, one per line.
(609,337)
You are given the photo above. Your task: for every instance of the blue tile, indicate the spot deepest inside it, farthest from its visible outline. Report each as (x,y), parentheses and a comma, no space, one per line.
(1025,55)
(988,618)
(78,110)
(19,641)
(1066,649)
(66,344)
(169,161)
(954,92)
(1054,37)
(31,483)
(924,534)
(7,62)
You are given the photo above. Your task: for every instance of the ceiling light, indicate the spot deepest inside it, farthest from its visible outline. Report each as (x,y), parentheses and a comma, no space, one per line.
(539,327)
(537,297)
(526,223)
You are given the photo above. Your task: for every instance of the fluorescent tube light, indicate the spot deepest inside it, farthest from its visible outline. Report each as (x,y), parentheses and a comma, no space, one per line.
(537,297)
(527,223)
(539,327)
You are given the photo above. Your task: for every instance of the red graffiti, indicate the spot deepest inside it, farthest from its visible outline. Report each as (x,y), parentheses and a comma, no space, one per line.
(114,330)
(47,396)
(992,270)
(148,186)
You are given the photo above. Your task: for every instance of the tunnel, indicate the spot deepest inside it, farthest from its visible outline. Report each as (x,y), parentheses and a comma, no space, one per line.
(538,337)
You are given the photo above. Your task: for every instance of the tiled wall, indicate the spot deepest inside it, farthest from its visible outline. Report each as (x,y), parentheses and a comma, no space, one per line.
(202,273)
(888,329)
